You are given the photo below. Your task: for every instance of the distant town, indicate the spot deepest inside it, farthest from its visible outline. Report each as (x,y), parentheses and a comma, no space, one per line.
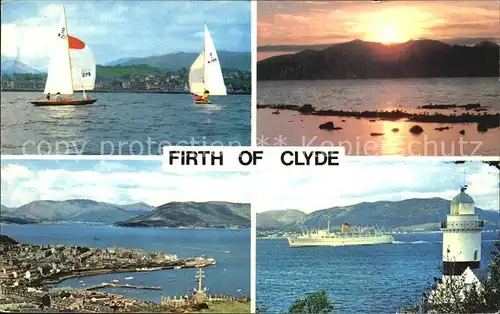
(133,79)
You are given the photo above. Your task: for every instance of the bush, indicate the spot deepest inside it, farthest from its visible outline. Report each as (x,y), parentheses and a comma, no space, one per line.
(316,302)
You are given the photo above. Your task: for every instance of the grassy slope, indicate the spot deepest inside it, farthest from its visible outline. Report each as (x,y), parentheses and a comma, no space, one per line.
(228,307)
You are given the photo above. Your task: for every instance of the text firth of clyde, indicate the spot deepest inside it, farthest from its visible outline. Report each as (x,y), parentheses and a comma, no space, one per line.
(252,158)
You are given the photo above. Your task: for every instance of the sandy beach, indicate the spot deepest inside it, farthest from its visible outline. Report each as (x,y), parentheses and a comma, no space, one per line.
(369,137)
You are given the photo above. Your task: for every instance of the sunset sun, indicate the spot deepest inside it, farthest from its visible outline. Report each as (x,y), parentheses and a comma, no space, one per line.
(386,34)
(390,35)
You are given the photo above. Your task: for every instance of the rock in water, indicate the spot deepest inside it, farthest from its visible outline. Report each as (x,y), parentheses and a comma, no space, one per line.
(395,130)
(307,108)
(376,134)
(328,126)
(482,127)
(462,132)
(416,129)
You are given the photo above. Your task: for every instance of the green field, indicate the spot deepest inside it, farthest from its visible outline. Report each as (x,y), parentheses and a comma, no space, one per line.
(227,307)
(120,71)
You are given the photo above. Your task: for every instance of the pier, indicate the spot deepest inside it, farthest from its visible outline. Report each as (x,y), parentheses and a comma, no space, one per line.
(124,286)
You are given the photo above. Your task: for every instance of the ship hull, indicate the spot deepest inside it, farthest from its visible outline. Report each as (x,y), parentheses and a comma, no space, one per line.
(339,241)
(64,102)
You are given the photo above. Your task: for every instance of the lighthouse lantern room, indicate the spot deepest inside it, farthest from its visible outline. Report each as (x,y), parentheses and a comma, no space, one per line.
(461,236)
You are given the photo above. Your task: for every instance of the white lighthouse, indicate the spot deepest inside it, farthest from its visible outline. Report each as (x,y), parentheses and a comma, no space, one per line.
(461,236)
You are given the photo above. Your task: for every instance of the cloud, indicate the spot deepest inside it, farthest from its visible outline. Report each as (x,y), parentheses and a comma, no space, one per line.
(356,182)
(116,182)
(114,29)
(317,22)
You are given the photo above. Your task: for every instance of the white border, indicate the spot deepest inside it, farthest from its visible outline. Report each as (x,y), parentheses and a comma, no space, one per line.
(253,110)
(253,141)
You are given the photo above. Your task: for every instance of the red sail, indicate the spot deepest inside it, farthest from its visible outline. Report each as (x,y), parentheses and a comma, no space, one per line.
(75,43)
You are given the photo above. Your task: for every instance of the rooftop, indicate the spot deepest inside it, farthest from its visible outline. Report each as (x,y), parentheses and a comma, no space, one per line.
(463,198)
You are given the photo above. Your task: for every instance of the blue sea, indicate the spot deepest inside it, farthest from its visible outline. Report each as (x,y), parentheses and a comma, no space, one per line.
(362,279)
(230,249)
(122,124)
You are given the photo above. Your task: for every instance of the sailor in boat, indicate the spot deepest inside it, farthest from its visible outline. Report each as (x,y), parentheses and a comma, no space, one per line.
(205,95)
(58,96)
(48,96)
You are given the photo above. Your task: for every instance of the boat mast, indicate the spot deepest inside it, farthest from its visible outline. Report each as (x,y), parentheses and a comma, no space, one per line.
(67,46)
(205,56)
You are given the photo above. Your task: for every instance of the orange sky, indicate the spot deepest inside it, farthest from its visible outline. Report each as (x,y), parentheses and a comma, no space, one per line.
(314,22)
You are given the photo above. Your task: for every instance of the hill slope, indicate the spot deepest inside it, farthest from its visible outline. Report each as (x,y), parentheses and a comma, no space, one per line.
(410,214)
(75,210)
(279,218)
(13,66)
(175,61)
(363,60)
(194,214)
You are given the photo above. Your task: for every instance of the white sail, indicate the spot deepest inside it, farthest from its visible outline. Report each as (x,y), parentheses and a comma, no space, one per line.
(83,65)
(59,77)
(197,75)
(214,81)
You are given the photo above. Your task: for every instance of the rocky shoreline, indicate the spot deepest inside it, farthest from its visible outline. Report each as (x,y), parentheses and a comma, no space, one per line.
(484,120)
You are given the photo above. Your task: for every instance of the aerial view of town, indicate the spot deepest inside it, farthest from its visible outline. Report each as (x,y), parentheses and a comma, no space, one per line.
(72,250)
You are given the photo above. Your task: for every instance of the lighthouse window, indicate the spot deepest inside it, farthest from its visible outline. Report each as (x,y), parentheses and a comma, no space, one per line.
(475,255)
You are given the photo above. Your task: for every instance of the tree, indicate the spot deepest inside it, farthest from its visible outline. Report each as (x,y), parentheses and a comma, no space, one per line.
(482,298)
(313,303)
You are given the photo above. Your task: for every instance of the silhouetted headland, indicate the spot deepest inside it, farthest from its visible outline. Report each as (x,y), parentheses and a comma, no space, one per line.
(370,60)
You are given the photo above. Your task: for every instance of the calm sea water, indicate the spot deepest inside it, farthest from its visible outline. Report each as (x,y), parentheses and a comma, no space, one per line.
(122,124)
(375,279)
(230,248)
(375,94)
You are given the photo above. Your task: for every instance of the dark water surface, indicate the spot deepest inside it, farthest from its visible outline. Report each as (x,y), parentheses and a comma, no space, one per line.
(363,279)
(122,124)
(383,94)
(230,249)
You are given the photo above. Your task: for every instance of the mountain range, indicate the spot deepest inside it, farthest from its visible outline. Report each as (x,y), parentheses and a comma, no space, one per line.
(279,218)
(236,61)
(175,61)
(194,214)
(74,210)
(410,214)
(13,66)
(174,214)
(362,60)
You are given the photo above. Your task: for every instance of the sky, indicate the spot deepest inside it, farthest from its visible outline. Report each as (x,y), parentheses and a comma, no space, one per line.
(123,29)
(127,182)
(318,22)
(363,181)
(117,182)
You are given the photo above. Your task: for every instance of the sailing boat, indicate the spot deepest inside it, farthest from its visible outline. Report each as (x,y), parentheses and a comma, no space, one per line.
(72,68)
(205,73)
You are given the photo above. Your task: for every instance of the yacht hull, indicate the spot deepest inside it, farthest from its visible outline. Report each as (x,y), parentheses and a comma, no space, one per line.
(64,102)
(306,241)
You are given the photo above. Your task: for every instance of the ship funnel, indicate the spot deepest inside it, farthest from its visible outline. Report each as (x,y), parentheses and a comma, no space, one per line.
(345,227)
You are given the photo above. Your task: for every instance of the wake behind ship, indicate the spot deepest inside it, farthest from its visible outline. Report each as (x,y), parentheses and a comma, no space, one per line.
(344,238)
